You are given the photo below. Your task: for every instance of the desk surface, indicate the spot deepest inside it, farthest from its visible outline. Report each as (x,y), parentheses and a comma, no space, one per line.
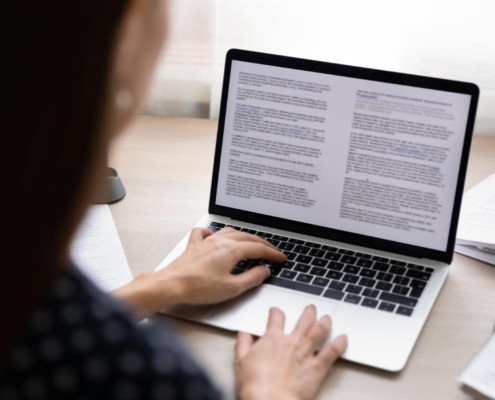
(166,165)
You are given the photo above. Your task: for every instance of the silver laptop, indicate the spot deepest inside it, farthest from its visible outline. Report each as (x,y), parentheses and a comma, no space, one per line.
(355,174)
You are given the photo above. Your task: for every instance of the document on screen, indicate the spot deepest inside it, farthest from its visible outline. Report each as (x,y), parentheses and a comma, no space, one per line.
(361,156)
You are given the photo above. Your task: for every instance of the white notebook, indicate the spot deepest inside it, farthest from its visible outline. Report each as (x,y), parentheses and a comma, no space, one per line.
(480,373)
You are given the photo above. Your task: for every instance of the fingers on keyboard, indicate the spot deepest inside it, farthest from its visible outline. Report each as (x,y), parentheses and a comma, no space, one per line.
(357,278)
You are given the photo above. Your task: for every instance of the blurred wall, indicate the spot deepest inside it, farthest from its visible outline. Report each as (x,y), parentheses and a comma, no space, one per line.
(443,38)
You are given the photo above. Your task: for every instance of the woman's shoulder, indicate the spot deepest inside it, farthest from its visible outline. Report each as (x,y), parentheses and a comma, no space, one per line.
(81,341)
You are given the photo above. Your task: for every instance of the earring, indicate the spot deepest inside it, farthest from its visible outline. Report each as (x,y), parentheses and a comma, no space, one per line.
(123,99)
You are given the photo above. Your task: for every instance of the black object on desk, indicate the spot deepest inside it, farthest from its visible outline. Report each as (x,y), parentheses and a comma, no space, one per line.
(112,190)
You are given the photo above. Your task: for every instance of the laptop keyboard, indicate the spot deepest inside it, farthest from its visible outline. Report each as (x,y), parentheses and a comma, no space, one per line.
(339,274)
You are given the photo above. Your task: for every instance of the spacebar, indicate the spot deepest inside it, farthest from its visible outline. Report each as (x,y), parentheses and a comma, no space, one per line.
(301,287)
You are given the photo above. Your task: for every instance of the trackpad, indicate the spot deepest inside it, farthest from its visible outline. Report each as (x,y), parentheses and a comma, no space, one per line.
(249,312)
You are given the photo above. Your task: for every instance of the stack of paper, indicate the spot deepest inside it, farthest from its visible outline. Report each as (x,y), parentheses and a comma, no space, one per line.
(480,373)
(476,231)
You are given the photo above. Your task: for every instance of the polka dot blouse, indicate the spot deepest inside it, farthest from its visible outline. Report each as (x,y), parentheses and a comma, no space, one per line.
(81,344)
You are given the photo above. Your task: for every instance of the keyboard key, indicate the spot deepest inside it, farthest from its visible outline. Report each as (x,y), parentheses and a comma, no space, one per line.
(371,293)
(397,270)
(386,287)
(332,256)
(381,259)
(362,255)
(286,265)
(417,288)
(403,290)
(367,282)
(318,262)
(416,267)
(368,273)
(336,266)
(346,252)
(313,245)
(352,298)
(237,271)
(302,268)
(334,275)
(288,274)
(304,278)
(274,242)
(352,269)
(281,238)
(364,263)
(265,235)
(286,246)
(244,264)
(318,271)
(213,229)
(274,270)
(395,298)
(237,228)
(398,263)
(404,311)
(386,307)
(329,248)
(301,249)
(303,259)
(429,270)
(301,287)
(348,259)
(350,278)
(418,274)
(321,281)
(317,253)
(400,280)
(250,231)
(217,224)
(353,289)
(333,294)
(379,266)
(382,276)
(290,256)
(369,303)
(296,241)
(337,285)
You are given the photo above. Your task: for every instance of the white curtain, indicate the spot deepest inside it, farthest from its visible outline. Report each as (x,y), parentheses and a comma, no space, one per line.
(443,38)
(182,85)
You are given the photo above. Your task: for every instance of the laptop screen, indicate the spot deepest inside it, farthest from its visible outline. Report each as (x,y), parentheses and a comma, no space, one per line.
(360,156)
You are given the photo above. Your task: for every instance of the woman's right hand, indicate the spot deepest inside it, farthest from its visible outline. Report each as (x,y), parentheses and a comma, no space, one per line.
(203,273)
(280,366)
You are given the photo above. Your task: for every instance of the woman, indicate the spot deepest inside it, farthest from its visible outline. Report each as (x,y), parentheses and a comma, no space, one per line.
(75,73)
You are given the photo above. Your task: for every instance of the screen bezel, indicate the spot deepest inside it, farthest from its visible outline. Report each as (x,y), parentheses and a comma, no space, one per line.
(360,73)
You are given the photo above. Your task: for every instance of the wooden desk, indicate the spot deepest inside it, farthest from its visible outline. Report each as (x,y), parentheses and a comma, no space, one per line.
(166,166)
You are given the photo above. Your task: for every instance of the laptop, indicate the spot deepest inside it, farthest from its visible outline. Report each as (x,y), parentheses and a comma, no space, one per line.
(357,176)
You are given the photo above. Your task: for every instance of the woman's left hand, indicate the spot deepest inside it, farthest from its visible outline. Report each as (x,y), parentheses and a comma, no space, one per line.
(202,274)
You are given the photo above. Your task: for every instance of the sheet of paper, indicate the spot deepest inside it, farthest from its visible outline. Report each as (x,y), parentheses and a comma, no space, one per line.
(474,252)
(480,373)
(477,221)
(97,251)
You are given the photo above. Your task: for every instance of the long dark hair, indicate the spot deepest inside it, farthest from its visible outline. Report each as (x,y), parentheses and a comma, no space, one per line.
(55,61)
